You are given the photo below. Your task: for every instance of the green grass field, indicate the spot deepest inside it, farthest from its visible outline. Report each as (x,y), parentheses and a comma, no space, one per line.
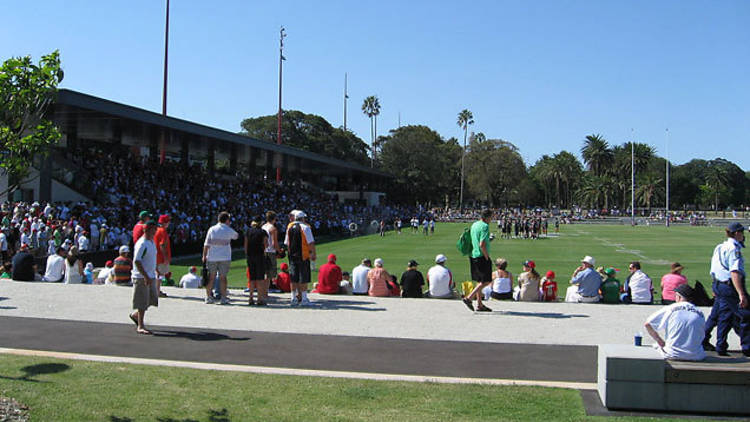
(68,390)
(612,245)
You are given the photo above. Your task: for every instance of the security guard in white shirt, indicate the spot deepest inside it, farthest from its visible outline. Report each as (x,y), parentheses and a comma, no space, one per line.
(732,307)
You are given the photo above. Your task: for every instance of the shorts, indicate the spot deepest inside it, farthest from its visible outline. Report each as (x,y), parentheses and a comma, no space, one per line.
(300,271)
(502,296)
(143,295)
(222,267)
(162,268)
(270,258)
(481,269)
(256,266)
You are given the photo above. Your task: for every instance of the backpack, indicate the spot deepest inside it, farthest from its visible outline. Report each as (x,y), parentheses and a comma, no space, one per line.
(464,242)
(700,297)
(295,242)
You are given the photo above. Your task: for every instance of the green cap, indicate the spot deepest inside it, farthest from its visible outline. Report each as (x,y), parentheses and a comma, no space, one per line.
(144,213)
(610,271)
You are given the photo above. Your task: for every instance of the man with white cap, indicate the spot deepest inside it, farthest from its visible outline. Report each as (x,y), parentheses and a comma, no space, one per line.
(585,283)
(301,246)
(683,326)
(440,280)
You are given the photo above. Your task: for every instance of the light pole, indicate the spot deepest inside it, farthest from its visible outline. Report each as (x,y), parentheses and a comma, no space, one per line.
(162,141)
(282,35)
(667,178)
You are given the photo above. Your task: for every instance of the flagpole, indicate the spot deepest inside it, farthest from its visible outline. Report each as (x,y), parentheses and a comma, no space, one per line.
(162,140)
(346,96)
(667,170)
(282,35)
(632,179)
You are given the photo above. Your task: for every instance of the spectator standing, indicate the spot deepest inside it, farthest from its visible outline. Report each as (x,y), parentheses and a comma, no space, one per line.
(638,287)
(122,268)
(528,283)
(670,281)
(684,327)
(412,281)
(145,293)
(481,266)
(440,280)
(55,271)
(4,256)
(217,255)
(359,277)
(585,283)
(191,280)
(377,280)
(73,267)
(329,277)
(301,246)
(23,268)
(256,240)
(163,251)
(143,218)
(610,288)
(272,246)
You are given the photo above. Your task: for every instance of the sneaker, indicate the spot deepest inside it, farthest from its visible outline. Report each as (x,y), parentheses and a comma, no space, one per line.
(305,302)
(484,309)
(708,347)
(261,303)
(746,353)
(162,294)
(247,290)
(468,304)
(209,300)
(224,301)
(251,302)
(724,353)
(294,302)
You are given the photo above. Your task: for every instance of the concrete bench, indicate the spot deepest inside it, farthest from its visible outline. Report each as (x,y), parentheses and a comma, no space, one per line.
(638,378)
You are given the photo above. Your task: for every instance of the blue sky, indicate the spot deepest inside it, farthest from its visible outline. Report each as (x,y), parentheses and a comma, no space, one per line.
(540,74)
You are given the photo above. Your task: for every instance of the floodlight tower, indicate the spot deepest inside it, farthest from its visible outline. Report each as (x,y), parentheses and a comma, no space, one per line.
(282,35)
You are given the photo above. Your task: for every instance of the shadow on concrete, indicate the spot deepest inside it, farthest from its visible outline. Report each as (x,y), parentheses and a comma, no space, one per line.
(39,369)
(333,304)
(197,336)
(554,315)
(213,416)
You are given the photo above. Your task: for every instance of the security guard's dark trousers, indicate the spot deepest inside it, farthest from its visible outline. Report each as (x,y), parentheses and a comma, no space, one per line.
(728,310)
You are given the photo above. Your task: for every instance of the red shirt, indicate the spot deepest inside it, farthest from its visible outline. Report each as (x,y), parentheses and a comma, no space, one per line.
(329,278)
(283,281)
(549,289)
(138,230)
(162,238)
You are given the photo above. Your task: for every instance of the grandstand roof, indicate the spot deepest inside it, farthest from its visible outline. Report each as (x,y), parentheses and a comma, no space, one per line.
(78,99)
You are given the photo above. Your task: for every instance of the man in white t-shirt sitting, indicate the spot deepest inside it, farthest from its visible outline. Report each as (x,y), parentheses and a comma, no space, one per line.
(684,327)
(55,270)
(359,277)
(191,280)
(638,286)
(440,280)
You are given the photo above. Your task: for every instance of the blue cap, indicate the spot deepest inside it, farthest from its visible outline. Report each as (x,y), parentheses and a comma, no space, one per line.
(735,227)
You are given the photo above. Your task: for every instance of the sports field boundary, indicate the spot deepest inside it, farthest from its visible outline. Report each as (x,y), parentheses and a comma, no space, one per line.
(268,370)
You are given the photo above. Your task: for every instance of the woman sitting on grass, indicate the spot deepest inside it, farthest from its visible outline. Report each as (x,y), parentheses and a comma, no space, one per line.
(377,280)
(670,282)
(502,281)
(528,283)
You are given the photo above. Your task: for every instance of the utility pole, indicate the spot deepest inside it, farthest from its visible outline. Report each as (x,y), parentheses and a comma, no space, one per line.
(667,170)
(346,97)
(632,179)
(282,35)
(166,57)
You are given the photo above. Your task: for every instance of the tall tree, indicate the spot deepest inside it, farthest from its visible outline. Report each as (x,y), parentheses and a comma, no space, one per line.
(465,118)
(371,107)
(496,171)
(596,154)
(26,91)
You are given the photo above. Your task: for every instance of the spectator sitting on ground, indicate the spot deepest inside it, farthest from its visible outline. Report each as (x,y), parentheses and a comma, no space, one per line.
(502,282)
(549,287)
(329,277)
(88,273)
(73,267)
(346,283)
(377,280)
(684,327)
(121,271)
(24,268)
(638,288)
(5,270)
(191,280)
(610,288)
(393,286)
(55,271)
(585,283)
(412,281)
(359,277)
(528,283)
(440,280)
(105,275)
(670,281)
(283,280)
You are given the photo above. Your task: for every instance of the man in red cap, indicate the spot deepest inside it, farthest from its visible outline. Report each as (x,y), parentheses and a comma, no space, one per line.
(163,250)
(329,277)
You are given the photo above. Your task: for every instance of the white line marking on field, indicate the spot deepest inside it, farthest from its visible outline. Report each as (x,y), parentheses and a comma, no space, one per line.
(299,372)
(620,248)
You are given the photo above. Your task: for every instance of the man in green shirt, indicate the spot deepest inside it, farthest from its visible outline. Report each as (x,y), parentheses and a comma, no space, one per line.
(610,288)
(480,262)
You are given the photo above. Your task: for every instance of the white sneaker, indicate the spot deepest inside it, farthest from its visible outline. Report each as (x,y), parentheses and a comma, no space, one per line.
(294,302)
(224,301)
(305,302)
(209,300)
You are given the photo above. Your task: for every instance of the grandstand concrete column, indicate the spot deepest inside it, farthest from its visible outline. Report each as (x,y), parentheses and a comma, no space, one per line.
(153,143)
(233,158)
(269,164)
(185,150)
(251,163)
(210,165)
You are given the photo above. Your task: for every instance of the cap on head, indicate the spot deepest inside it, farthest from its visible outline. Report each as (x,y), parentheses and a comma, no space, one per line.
(164,219)
(550,274)
(530,264)
(331,258)
(366,260)
(152,223)
(610,271)
(440,259)
(300,215)
(378,262)
(193,269)
(284,266)
(124,249)
(735,227)
(685,291)
(109,264)
(589,260)
(143,214)
(412,263)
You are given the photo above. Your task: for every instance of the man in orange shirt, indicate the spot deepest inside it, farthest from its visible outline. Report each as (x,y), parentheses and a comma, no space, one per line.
(163,251)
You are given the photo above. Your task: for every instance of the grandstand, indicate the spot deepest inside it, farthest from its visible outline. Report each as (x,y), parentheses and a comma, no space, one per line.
(92,123)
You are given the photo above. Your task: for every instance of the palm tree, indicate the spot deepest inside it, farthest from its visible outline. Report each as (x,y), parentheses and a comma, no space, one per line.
(465,118)
(717,178)
(597,154)
(371,107)
(649,188)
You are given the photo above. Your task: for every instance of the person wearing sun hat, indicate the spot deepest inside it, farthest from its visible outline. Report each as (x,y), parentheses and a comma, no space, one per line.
(528,283)
(610,288)
(585,283)
(671,281)
(683,324)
